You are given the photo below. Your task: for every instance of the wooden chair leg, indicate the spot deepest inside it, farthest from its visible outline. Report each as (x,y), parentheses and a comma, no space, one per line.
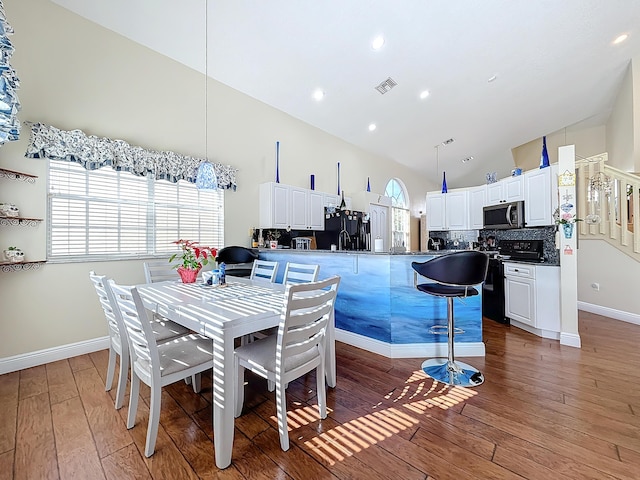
(281,407)
(133,400)
(122,380)
(111,369)
(154,420)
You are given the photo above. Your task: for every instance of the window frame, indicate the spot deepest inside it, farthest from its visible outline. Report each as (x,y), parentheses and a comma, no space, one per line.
(399,212)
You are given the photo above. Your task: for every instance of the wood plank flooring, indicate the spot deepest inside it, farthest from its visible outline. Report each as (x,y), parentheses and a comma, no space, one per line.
(545,412)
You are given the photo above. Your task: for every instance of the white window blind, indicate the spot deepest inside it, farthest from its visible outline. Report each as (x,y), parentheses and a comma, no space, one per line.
(104,213)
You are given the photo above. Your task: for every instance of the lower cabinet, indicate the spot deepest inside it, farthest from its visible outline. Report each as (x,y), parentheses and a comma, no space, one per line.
(532,298)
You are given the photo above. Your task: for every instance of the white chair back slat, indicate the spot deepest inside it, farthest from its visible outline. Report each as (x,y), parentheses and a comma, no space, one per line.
(306,313)
(159,272)
(144,351)
(300,273)
(264,270)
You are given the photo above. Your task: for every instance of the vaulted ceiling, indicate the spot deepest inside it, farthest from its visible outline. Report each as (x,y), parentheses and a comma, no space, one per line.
(499,73)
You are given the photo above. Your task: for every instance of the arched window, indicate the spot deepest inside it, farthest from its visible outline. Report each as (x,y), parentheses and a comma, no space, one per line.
(399,213)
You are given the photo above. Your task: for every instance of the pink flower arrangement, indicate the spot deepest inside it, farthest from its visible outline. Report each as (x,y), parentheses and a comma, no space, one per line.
(193,255)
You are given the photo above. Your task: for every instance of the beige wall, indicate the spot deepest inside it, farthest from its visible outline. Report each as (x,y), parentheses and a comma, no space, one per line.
(620,126)
(75,74)
(589,141)
(617,274)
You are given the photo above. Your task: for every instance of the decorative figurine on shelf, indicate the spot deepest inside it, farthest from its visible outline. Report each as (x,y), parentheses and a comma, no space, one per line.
(9,210)
(14,255)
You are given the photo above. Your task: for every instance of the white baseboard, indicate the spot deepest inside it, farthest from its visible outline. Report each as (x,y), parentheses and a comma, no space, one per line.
(409,350)
(570,339)
(610,312)
(40,357)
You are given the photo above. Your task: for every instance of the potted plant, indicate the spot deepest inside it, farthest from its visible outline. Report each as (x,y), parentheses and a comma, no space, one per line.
(192,257)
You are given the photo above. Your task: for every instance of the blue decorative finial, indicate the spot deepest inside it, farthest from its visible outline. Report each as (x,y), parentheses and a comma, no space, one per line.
(544,159)
(277,162)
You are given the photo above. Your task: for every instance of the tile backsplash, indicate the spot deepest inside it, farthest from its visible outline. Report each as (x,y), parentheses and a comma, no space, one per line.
(464,238)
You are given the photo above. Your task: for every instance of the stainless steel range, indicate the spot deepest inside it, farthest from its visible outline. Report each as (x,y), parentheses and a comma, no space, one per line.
(530,251)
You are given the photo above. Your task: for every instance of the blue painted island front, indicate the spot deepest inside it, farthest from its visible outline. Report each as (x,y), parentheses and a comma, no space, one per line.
(378,307)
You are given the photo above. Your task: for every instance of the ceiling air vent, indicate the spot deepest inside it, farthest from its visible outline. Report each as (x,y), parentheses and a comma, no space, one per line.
(385,86)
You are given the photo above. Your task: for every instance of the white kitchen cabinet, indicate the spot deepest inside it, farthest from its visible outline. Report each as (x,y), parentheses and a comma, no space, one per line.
(477,200)
(540,200)
(274,205)
(436,219)
(457,209)
(283,206)
(315,210)
(448,211)
(508,189)
(532,298)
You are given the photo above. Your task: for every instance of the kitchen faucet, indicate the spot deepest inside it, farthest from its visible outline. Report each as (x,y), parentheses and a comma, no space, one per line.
(343,235)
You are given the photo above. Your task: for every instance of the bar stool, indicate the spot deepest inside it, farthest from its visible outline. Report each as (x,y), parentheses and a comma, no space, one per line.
(454,275)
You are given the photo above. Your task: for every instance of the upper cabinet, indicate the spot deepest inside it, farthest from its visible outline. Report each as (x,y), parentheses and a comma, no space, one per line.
(477,201)
(457,209)
(447,211)
(540,198)
(274,205)
(462,209)
(436,211)
(508,189)
(284,206)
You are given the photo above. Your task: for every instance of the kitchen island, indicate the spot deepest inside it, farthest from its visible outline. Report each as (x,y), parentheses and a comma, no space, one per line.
(378,307)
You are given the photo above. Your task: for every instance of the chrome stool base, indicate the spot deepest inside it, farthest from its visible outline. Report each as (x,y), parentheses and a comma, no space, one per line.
(457,374)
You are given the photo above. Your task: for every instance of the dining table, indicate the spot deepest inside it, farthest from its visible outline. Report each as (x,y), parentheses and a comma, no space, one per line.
(223,313)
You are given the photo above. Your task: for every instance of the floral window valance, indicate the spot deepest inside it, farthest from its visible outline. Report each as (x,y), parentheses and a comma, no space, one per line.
(96,152)
(9,83)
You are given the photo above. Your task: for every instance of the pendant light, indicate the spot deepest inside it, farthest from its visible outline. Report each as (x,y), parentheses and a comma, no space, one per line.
(206,178)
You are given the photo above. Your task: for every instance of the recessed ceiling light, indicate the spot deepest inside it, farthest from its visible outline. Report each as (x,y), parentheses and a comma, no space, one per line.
(372,127)
(377,42)
(449,141)
(492,78)
(620,39)
(424,94)
(468,159)
(318,95)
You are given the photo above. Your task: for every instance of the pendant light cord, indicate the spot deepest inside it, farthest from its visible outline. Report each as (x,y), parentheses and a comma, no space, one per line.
(206,78)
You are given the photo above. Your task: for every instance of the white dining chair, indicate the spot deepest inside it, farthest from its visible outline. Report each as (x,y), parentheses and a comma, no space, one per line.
(264,270)
(157,364)
(163,330)
(159,271)
(300,273)
(298,347)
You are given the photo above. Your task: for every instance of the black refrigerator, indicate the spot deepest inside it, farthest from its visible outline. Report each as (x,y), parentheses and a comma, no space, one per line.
(354,226)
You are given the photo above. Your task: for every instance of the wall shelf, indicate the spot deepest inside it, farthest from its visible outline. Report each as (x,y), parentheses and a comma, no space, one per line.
(22,221)
(14,267)
(13,175)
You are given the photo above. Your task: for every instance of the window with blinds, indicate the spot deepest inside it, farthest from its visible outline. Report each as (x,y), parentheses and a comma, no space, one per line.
(106,214)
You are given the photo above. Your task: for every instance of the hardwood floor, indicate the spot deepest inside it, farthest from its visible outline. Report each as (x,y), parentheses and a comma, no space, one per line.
(545,412)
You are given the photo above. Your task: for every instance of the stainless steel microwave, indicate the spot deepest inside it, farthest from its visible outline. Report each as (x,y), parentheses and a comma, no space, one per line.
(504,215)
